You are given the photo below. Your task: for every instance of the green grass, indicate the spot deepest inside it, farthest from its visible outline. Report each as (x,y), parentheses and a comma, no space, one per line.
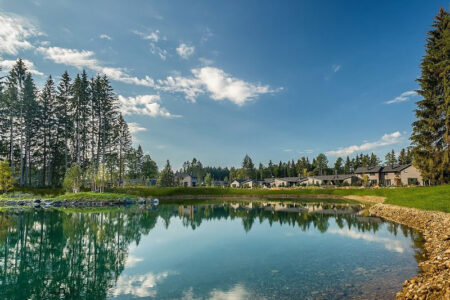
(428,198)
(93,197)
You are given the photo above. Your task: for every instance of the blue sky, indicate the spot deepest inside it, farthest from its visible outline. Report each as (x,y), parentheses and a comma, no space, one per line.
(217,80)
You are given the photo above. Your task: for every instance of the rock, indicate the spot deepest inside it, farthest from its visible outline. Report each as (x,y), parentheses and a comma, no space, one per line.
(434,282)
(128,200)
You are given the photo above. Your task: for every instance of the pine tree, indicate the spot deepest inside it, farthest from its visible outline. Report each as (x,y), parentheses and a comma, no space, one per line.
(48,132)
(431,131)
(64,115)
(31,122)
(390,158)
(166,178)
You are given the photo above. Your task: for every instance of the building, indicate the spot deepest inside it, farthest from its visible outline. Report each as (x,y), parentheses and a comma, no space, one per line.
(236,183)
(187,180)
(340,179)
(391,175)
(287,181)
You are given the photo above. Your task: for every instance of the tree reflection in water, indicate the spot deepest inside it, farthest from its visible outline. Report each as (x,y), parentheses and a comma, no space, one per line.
(49,254)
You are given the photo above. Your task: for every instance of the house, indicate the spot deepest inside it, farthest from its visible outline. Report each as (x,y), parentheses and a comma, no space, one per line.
(332,179)
(401,175)
(245,183)
(236,183)
(391,175)
(287,181)
(373,174)
(187,180)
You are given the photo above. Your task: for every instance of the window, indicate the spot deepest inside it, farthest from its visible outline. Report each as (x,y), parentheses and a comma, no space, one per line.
(413,181)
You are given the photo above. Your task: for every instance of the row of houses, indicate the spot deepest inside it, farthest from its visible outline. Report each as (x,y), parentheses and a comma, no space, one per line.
(374,176)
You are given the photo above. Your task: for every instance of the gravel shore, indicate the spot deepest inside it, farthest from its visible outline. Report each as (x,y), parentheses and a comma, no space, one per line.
(434,280)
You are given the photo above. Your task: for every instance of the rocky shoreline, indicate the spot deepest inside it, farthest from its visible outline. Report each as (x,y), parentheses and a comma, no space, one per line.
(434,280)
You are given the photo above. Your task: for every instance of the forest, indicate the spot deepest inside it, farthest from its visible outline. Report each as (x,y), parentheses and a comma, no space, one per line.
(70,123)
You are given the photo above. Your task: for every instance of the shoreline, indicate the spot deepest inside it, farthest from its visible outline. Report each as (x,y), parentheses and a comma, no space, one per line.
(434,280)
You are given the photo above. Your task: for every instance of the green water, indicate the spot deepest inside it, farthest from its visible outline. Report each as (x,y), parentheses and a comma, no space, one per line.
(205,251)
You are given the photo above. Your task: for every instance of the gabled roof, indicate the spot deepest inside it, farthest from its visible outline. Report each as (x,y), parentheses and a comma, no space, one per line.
(382,169)
(362,170)
(182,175)
(239,180)
(395,168)
(333,177)
(289,179)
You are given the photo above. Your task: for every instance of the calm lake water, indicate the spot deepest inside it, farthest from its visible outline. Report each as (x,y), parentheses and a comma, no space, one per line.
(205,250)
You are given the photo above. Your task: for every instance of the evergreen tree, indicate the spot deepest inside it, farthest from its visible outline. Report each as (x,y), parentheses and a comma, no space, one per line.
(166,177)
(390,158)
(338,166)
(431,130)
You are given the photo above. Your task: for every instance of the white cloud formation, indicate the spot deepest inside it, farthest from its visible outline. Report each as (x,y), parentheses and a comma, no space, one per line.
(238,292)
(152,36)
(7,65)
(387,139)
(403,97)
(389,244)
(185,51)
(14,33)
(132,260)
(217,83)
(139,285)
(135,128)
(85,59)
(144,105)
(162,53)
(336,68)
(105,37)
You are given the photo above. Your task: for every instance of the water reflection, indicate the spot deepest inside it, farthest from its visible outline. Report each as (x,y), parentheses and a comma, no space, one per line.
(60,254)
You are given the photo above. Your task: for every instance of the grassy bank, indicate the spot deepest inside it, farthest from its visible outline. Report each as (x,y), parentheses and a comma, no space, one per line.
(428,198)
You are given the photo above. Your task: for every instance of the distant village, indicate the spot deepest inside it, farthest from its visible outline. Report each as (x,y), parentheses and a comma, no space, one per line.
(397,175)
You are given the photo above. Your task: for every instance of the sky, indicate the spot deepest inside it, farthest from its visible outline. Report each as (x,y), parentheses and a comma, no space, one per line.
(217,80)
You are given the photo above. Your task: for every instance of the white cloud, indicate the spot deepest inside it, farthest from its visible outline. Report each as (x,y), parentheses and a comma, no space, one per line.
(238,292)
(132,260)
(217,83)
(152,36)
(135,128)
(162,53)
(7,65)
(389,244)
(287,150)
(14,33)
(144,105)
(403,97)
(105,37)
(336,68)
(139,285)
(206,61)
(85,59)
(386,140)
(185,51)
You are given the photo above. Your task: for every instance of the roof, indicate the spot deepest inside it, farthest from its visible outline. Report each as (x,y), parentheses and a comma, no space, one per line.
(382,169)
(186,175)
(290,179)
(374,169)
(395,168)
(239,180)
(333,177)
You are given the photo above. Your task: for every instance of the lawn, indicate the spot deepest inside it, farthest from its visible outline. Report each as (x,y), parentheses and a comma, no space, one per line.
(428,198)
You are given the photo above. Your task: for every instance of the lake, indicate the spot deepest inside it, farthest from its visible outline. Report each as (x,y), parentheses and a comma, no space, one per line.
(205,250)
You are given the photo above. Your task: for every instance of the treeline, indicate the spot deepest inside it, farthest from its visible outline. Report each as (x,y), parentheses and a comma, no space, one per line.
(44,132)
(319,165)
(303,167)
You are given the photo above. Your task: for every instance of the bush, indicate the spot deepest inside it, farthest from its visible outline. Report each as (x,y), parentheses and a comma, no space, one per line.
(6,180)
